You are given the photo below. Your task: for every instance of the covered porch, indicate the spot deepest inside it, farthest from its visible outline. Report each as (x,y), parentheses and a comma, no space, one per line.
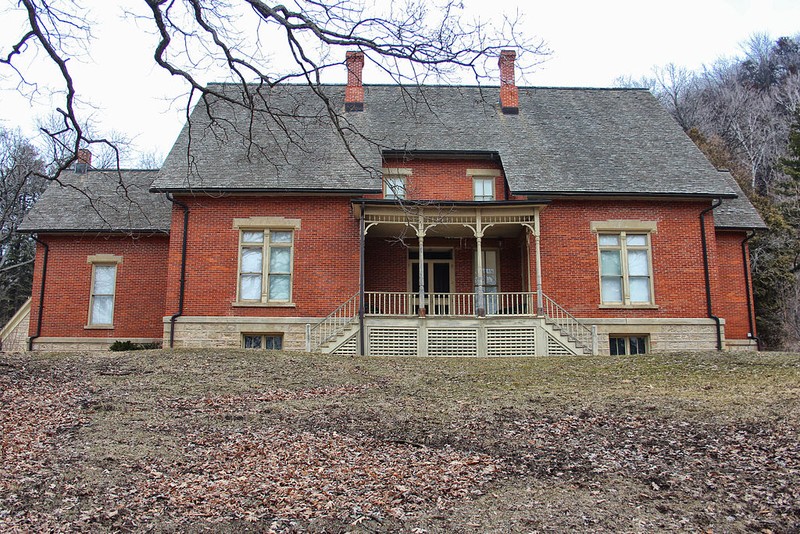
(469,259)
(458,279)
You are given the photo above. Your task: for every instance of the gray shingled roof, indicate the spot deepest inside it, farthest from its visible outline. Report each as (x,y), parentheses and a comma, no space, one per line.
(297,148)
(563,142)
(100,201)
(737,213)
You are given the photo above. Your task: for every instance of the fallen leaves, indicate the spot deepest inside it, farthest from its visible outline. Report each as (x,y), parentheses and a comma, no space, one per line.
(33,410)
(275,472)
(193,440)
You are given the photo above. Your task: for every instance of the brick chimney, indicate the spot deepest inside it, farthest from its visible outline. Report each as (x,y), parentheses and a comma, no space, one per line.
(83,161)
(354,93)
(509,94)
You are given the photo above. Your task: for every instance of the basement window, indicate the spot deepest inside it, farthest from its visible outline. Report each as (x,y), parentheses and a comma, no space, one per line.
(622,345)
(262,341)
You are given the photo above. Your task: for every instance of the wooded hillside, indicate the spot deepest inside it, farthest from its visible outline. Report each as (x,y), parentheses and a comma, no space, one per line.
(741,112)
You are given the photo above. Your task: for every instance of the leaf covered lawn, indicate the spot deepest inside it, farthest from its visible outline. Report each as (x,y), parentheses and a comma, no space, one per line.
(236,440)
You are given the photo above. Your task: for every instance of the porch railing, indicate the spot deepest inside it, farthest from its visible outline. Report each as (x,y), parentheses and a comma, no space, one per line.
(449,304)
(334,324)
(567,323)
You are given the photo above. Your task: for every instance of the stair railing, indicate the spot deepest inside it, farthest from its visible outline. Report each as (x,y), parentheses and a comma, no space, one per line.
(572,328)
(334,324)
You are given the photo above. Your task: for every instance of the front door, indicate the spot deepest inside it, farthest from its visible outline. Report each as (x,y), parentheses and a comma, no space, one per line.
(491,282)
(437,271)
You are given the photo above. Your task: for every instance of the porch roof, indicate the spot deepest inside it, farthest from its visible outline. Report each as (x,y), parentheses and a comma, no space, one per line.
(447,219)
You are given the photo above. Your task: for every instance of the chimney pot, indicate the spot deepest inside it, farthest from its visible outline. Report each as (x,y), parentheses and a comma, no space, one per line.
(83,161)
(509,93)
(354,92)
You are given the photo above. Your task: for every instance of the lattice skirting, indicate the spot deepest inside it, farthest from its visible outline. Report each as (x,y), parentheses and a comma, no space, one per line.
(348,348)
(555,348)
(452,342)
(393,341)
(461,340)
(511,342)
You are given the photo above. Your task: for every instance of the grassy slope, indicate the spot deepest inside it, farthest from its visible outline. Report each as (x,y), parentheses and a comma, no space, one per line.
(659,442)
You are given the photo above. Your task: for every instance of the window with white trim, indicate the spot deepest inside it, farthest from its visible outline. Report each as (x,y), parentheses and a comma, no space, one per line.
(265,265)
(101,302)
(625,268)
(394,187)
(483,189)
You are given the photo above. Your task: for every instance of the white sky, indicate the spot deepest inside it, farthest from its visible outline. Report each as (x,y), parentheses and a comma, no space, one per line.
(593,43)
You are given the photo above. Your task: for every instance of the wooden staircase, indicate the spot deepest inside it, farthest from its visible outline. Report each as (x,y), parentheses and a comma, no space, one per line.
(337,330)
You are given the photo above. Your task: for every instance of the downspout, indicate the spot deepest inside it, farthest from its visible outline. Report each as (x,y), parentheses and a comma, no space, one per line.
(709,307)
(362,239)
(41,293)
(748,289)
(182,289)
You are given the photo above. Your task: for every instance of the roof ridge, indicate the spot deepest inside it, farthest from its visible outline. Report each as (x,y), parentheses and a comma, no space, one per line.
(442,85)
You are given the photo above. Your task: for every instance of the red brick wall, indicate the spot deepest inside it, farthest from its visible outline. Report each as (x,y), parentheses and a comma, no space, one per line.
(140,287)
(731,299)
(444,179)
(326,254)
(570,257)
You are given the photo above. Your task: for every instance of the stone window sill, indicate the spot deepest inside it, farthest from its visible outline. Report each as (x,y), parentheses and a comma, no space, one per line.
(628,307)
(264,305)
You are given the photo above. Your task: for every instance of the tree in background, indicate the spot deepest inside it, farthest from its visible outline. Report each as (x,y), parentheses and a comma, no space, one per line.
(20,186)
(410,42)
(785,230)
(742,113)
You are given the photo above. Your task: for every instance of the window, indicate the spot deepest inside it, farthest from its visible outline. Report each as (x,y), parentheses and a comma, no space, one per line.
(625,275)
(101,307)
(619,345)
(265,266)
(394,187)
(395,182)
(103,290)
(483,189)
(262,341)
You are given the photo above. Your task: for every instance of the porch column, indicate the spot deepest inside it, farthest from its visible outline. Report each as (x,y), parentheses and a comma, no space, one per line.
(480,305)
(362,231)
(537,231)
(421,241)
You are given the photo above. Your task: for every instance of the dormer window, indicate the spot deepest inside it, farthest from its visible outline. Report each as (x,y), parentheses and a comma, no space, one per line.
(394,187)
(483,189)
(395,183)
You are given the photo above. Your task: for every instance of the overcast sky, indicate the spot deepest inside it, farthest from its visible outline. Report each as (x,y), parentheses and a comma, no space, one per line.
(593,43)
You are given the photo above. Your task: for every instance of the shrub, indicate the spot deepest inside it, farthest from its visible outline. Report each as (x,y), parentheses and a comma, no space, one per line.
(130,345)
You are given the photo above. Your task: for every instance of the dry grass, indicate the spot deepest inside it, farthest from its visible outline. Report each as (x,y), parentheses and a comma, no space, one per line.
(183,440)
